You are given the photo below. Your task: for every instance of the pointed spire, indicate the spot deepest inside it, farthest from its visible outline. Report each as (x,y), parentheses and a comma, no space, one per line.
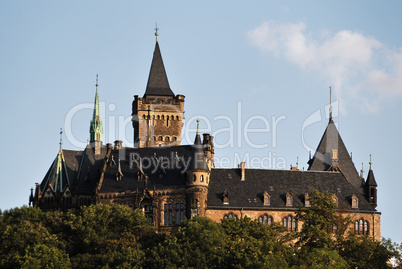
(362,172)
(330,103)
(158,83)
(197,140)
(156,32)
(61,138)
(370,177)
(96,128)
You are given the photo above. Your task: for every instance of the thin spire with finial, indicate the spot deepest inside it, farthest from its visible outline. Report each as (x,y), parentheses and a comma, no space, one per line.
(362,172)
(370,162)
(198,127)
(156,31)
(330,101)
(61,137)
(297,163)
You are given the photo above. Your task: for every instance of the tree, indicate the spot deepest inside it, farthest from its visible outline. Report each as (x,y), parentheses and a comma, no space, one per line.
(250,244)
(26,243)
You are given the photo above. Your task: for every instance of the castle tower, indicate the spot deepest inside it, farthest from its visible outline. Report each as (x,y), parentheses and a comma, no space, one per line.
(96,128)
(158,116)
(197,180)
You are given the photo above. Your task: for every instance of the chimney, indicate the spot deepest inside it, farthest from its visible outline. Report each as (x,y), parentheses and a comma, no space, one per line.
(242,166)
(205,139)
(117,144)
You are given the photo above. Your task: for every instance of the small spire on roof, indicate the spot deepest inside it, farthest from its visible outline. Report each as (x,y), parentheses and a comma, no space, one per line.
(330,102)
(297,163)
(61,137)
(198,127)
(362,172)
(96,82)
(156,31)
(370,162)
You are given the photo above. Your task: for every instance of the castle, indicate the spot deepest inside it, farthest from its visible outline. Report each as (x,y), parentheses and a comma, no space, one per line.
(171,182)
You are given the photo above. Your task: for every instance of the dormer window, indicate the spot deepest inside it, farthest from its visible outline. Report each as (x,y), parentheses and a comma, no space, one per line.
(334,154)
(226,198)
(335,199)
(307,200)
(289,199)
(267,199)
(355,201)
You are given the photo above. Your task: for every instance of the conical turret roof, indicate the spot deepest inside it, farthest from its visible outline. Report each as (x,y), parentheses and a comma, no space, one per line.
(322,160)
(158,83)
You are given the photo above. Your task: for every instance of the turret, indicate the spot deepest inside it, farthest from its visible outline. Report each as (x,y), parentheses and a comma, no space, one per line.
(370,187)
(197,180)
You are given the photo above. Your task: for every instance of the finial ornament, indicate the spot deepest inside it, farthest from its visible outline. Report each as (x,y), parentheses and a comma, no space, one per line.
(330,102)
(362,172)
(370,162)
(198,127)
(297,163)
(61,137)
(96,81)
(156,31)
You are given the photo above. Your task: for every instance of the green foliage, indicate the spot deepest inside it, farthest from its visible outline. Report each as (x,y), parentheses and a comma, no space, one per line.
(114,236)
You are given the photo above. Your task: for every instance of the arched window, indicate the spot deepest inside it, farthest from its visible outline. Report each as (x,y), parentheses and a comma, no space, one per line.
(231,215)
(202,178)
(366,227)
(290,223)
(267,200)
(270,220)
(260,220)
(195,178)
(160,138)
(355,201)
(362,226)
(265,219)
(167,138)
(289,201)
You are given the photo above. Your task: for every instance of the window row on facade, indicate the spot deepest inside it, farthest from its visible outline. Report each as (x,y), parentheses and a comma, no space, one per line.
(166,138)
(160,117)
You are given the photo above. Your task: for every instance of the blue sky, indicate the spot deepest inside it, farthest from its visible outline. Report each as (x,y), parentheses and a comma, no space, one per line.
(260,65)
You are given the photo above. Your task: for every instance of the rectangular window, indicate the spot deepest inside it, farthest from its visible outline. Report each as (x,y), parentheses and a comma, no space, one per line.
(177,214)
(170,214)
(194,213)
(165,215)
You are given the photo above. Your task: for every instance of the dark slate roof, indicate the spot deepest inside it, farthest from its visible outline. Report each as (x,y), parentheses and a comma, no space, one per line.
(57,177)
(370,179)
(249,193)
(322,157)
(158,83)
(90,166)
(155,167)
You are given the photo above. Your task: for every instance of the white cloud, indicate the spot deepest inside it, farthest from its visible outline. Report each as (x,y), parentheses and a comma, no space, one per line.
(353,62)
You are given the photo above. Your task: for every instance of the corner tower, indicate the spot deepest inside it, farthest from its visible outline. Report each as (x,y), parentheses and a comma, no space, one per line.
(158,116)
